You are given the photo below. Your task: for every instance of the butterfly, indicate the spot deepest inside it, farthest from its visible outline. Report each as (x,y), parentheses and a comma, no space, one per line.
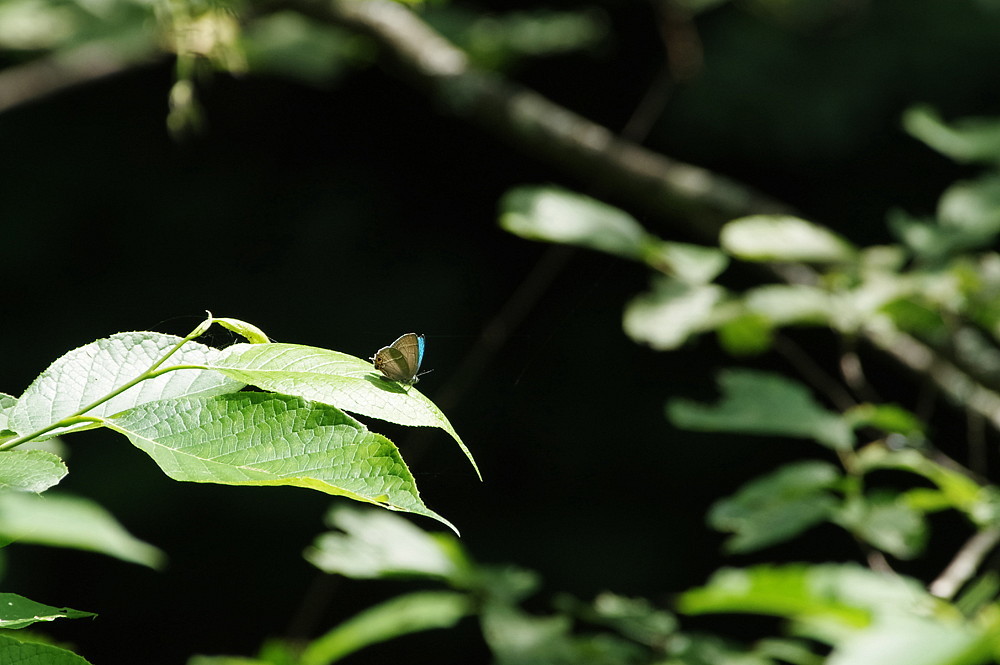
(400,361)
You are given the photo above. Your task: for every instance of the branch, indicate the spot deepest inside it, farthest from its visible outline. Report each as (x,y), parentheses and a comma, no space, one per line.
(59,71)
(604,162)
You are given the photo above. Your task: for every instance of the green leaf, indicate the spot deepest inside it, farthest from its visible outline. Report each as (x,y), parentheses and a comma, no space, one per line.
(746,334)
(248,331)
(761,403)
(375,544)
(784,305)
(90,372)
(692,264)
(886,521)
(7,403)
(705,649)
(886,417)
(254,438)
(403,615)
(16,652)
(553,214)
(30,470)
(965,140)
(291,45)
(777,507)
(333,378)
(516,637)
(960,492)
(837,599)
(18,612)
(672,312)
(784,238)
(973,207)
(917,640)
(635,618)
(62,520)
(931,240)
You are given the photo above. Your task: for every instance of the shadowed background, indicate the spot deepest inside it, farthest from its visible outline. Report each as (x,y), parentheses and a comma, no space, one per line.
(344,215)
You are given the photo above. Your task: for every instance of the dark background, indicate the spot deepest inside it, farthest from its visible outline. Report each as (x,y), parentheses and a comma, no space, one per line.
(344,216)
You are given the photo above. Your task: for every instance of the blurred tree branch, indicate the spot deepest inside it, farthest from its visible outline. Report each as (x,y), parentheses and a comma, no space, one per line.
(619,169)
(61,70)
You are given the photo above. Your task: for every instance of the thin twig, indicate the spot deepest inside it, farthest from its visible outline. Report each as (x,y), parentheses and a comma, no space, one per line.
(966,562)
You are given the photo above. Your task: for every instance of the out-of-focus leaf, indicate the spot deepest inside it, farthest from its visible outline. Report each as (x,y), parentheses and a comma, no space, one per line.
(374,544)
(965,140)
(777,507)
(289,44)
(785,304)
(61,520)
(762,403)
(692,264)
(402,615)
(886,417)
(634,618)
(887,522)
(553,214)
(705,649)
(972,206)
(746,334)
(784,238)
(980,503)
(516,637)
(665,317)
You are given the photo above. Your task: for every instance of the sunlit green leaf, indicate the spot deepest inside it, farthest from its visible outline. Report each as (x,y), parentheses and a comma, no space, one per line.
(248,331)
(62,520)
(784,238)
(374,544)
(333,378)
(30,470)
(252,438)
(90,372)
(778,506)
(33,653)
(761,403)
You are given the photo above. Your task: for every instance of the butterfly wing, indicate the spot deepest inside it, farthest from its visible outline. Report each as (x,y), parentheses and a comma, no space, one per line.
(400,361)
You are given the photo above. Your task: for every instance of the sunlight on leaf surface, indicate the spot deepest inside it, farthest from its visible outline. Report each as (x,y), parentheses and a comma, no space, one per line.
(251,438)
